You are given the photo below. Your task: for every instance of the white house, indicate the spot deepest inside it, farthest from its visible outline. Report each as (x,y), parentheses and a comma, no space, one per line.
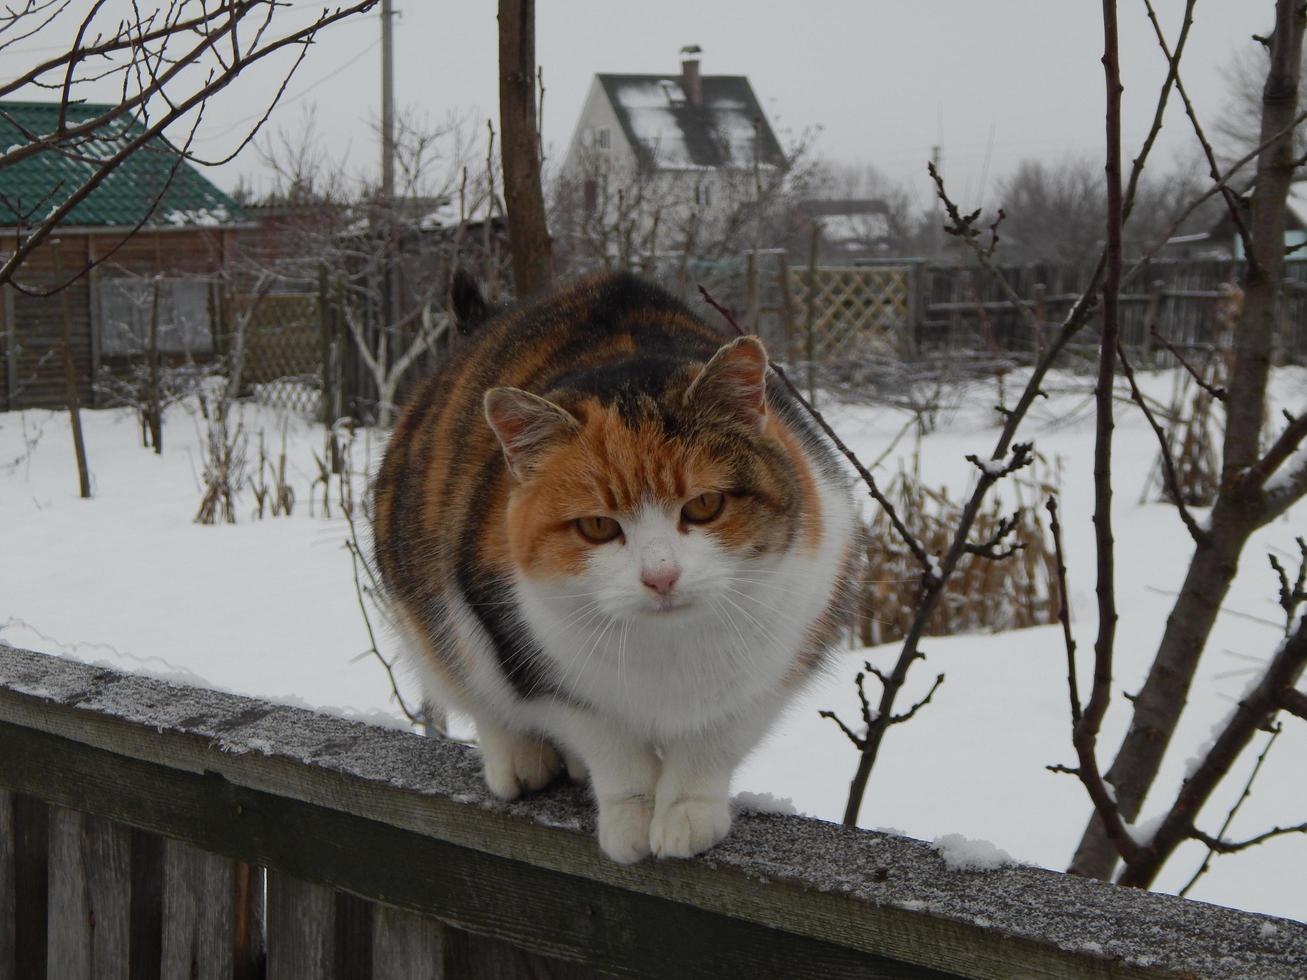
(674,145)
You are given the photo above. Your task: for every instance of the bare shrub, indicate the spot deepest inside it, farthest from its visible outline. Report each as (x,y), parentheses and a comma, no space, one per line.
(224,459)
(268,484)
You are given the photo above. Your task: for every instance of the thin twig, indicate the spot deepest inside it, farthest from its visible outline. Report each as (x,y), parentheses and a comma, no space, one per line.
(1216,391)
(1196,532)
(1232,201)
(1230,847)
(1229,817)
(907,715)
(1064,613)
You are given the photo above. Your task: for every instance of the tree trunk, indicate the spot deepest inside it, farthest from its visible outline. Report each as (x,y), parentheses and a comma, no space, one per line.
(528,233)
(70,379)
(1236,514)
(154,406)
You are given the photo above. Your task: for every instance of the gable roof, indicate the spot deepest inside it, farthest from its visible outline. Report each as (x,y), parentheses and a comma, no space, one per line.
(43,181)
(666,132)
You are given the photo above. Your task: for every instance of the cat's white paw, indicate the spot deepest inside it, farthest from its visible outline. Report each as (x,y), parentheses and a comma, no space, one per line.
(517,765)
(684,828)
(624,828)
(577,771)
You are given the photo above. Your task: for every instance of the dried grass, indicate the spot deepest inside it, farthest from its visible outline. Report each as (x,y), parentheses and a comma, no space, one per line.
(984,594)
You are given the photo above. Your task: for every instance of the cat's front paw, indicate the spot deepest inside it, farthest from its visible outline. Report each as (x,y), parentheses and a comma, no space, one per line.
(624,828)
(686,827)
(516,765)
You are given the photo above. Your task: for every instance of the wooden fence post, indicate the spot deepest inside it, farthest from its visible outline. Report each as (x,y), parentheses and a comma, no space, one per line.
(787,306)
(811,320)
(1040,302)
(1151,314)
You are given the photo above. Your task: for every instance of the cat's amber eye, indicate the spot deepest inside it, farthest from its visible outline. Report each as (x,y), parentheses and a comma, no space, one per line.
(704,508)
(598,529)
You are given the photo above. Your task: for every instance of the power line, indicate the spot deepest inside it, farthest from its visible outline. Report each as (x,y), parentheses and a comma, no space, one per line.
(291,98)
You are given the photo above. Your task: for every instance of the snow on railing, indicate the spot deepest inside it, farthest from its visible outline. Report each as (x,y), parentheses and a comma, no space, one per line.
(188,832)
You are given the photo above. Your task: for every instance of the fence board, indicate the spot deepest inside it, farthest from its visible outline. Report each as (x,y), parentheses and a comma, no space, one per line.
(147,905)
(353,937)
(8,887)
(31,884)
(201,909)
(301,929)
(406,946)
(90,897)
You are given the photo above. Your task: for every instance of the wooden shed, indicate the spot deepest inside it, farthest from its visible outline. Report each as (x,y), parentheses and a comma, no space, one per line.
(154,219)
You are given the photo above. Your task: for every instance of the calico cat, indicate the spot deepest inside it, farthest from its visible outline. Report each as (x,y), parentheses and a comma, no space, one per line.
(604,532)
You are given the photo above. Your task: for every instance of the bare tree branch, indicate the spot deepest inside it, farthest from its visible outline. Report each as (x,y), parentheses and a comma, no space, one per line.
(1168,461)
(149,73)
(1216,391)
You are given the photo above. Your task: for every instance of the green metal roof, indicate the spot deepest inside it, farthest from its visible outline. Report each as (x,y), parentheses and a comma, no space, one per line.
(32,187)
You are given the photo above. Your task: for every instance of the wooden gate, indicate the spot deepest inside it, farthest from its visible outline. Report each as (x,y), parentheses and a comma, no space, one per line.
(856,312)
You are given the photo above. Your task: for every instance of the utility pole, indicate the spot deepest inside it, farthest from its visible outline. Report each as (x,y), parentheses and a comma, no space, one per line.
(387,102)
(937,222)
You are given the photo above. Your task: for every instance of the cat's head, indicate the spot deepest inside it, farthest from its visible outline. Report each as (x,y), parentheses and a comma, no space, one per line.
(653,503)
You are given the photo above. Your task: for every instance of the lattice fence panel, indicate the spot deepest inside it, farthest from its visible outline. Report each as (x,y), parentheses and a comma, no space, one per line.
(283,363)
(858,311)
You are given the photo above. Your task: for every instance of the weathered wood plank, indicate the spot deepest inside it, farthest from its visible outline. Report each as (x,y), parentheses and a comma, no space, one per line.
(199,914)
(482,958)
(353,937)
(90,897)
(8,888)
(247,935)
(313,793)
(147,905)
(406,946)
(301,929)
(31,884)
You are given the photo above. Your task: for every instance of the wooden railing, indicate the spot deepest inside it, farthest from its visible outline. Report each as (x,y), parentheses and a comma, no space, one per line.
(150,829)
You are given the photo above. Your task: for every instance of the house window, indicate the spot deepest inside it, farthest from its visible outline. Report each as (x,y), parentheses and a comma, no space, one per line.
(184,316)
(601,137)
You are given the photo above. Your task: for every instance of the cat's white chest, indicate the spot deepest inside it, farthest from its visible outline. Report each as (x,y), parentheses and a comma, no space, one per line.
(681,672)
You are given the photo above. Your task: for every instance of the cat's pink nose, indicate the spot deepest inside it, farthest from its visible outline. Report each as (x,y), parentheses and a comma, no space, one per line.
(661,578)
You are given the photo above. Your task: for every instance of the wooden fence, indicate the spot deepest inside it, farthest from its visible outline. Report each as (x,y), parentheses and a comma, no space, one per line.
(149,829)
(1192,303)
(897,306)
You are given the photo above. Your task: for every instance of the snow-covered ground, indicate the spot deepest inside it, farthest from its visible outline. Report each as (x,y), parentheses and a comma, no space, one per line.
(268,608)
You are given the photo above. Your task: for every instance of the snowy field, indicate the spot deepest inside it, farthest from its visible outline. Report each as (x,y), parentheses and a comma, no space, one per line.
(268,608)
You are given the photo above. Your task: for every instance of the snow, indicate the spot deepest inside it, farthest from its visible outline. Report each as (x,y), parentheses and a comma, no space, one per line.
(202,217)
(1142,832)
(268,608)
(961,854)
(763,803)
(649,106)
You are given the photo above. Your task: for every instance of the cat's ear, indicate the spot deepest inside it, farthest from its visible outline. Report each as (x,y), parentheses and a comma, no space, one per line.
(734,381)
(527,426)
(468,306)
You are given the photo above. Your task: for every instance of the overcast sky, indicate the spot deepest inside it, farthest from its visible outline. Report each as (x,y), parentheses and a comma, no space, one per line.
(991,81)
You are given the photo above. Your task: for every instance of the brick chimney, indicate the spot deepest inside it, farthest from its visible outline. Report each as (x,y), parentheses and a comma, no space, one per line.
(691,81)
